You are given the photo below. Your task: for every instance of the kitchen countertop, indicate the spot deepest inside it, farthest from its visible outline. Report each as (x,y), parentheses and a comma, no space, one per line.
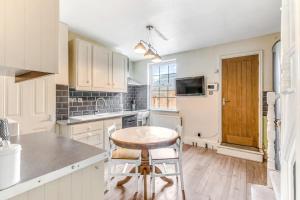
(97,117)
(44,154)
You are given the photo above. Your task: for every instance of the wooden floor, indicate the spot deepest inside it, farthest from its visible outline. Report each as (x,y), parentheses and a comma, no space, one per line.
(207,176)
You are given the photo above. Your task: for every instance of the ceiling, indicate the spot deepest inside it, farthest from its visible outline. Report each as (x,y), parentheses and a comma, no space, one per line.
(188,24)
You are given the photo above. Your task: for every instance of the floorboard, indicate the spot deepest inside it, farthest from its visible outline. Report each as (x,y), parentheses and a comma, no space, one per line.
(207,176)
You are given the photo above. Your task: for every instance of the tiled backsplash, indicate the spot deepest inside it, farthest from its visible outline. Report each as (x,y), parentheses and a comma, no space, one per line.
(71,102)
(62,97)
(85,102)
(137,93)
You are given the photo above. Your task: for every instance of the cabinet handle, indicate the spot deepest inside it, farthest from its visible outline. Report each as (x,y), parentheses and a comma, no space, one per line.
(96,167)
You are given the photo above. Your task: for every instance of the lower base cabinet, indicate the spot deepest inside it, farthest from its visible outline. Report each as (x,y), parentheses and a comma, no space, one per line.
(85,184)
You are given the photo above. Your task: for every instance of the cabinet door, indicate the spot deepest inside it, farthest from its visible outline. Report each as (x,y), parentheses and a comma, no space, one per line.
(37,193)
(51,190)
(49,35)
(119,72)
(32,33)
(14,33)
(62,77)
(84,67)
(2,31)
(97,182)
(101,69)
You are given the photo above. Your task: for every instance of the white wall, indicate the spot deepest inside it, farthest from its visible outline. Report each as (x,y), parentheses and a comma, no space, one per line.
(201,114)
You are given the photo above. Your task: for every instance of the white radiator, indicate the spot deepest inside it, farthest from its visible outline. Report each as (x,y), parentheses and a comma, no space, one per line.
(165,119)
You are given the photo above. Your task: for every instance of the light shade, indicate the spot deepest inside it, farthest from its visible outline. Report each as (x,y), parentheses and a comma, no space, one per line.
(140,48)
(156,59)
(149,54)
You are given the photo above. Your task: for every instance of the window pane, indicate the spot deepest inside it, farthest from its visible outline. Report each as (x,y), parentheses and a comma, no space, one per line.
(172,68)
(155,69)
(163,103)
(155,81)
(172,103)
(163,93)
(164,69)
(172,82)
(164,82)
(155,103)
(155,93)
(171,93)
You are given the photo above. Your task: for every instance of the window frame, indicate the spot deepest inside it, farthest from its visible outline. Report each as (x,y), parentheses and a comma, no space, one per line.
(150,79)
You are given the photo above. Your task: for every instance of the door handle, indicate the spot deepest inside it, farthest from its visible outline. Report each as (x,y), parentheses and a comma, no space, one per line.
(224,101)
(277,123)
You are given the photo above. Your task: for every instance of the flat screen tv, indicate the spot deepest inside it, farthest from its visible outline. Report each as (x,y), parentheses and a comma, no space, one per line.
(192,86)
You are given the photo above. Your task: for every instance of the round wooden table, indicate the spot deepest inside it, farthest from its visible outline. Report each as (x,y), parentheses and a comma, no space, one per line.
(144,138)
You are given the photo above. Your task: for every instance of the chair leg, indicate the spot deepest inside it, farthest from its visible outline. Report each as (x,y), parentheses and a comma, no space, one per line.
(181,174)
(153,179)
(137,178)
(108,175)
(176,170)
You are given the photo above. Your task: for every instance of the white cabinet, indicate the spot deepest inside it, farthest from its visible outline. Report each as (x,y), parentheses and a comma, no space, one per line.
(30,103)
(80,64)
(92,133)
(119,75)
(62,77)
(101,73)
(87,183)
(2,34)
(93,67)
(89,133)
(29,34)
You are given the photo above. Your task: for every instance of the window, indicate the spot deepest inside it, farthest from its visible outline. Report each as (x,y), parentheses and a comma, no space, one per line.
(162,85)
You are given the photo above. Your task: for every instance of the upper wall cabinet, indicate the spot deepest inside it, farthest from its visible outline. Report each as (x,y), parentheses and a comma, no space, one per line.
(29,34)
(96,68)
(119,79)
(62,77)
(80,59)
(101,73)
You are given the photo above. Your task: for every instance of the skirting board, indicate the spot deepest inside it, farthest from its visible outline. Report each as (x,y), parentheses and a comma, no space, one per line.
(210,143)
(241,153)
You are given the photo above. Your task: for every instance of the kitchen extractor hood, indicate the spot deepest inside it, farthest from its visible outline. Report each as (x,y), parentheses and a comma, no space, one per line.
(131,81)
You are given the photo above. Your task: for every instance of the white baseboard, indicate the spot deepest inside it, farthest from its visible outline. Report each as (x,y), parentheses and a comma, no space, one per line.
(261,192)
(210,143)
(241,153)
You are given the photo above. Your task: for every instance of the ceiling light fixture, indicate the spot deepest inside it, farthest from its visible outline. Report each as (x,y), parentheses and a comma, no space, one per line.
(147,48)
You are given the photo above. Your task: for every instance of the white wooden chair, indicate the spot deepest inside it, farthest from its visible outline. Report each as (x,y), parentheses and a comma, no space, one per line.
(121,156)
(171,155)
(143,118)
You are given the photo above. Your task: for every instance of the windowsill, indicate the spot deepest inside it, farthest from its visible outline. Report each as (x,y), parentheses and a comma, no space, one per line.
(161,110)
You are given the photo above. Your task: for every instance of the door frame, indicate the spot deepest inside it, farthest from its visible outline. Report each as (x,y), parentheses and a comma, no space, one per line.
(260,91)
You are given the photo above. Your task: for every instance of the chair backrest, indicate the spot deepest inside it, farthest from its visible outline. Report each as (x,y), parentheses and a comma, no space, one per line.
(178,129)
(145,116)
(110,130)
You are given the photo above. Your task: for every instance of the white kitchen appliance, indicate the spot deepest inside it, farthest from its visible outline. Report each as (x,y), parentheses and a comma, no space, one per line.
(10,160)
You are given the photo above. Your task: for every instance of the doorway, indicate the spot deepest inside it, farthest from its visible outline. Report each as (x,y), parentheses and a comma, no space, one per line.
(240,101)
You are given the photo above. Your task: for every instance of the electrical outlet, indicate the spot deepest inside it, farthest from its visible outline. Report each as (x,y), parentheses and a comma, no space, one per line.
(79,100)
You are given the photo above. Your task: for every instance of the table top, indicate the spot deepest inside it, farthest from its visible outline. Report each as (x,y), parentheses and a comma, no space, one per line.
(144,137)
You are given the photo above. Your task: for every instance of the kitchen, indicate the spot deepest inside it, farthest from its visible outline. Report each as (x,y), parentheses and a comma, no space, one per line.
(148,99)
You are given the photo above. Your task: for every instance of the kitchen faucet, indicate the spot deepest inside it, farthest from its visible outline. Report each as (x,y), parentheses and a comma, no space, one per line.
(97,101)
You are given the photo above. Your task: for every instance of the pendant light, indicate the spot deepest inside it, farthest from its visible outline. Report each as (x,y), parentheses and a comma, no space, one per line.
(147,48)
(140,48)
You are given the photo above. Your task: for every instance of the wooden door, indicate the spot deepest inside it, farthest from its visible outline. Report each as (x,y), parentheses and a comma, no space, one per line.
(84,67)
(101,76)
(240,100)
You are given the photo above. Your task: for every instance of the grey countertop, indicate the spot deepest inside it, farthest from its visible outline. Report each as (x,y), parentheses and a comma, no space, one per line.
(43,153)
(97,117)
